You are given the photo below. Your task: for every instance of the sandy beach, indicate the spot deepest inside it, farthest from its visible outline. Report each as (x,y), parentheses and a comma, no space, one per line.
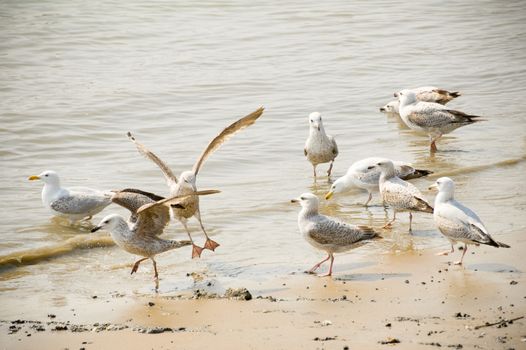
(411,301)
(77,76)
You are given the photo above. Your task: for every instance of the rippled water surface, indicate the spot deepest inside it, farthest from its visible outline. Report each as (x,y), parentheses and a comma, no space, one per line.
(76,76)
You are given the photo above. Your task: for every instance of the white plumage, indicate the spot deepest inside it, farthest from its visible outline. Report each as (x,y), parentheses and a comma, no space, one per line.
(74,203)
(365,174)
(319,147)
(431,118)
(457,222)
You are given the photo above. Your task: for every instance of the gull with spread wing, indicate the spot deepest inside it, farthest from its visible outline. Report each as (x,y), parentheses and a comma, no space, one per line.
(186,183)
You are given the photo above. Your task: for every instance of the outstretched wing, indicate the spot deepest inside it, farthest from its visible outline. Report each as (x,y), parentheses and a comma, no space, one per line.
(153,217)
(132,199)
(228,132)
(168,174)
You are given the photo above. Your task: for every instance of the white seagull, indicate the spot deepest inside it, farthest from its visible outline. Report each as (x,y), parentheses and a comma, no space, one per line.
(327,233)
(74,203)
(457,222)
(399,194)
(365,174)
(140,234)
(431,118)
(319,147)
(187,180)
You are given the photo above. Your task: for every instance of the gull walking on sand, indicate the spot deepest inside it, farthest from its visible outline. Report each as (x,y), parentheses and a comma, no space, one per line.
(431,118)
(399,194)
(139,235)
(186,183)
(327,233)
(457,222)
(319,147)
(74,203)
(365,174)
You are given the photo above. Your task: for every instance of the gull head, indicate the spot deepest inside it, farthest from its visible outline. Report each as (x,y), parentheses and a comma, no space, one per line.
(48,177)
(444,185)
(315,121)
(406,97)
(386,166)
(307,201)
(337,186)
(188,177)
(391,107)
(108,223)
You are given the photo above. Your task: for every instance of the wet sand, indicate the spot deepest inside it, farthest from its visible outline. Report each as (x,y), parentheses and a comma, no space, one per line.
(417,298)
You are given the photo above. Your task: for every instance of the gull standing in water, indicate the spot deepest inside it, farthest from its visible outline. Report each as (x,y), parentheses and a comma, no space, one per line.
(425,94)
(74,203)
(187,180)
(139,235)
(431,118)
(327,233)
(365,174)
(399,194)
(433,94)
(320,147)
(457,222)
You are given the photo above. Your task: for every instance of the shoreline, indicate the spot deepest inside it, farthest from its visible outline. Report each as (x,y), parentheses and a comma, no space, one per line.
(414,300)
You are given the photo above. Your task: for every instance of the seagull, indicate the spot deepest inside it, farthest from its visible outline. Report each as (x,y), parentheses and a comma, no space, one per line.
(74,203)
(320,147)
(433,94)
(431,118)
(327,233)
(399,194)
(457,222)
(139,235)
(187,180)
(391,107)
(425,94)
(365,174)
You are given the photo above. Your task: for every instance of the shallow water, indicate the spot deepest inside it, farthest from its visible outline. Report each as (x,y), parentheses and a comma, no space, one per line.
(78,75)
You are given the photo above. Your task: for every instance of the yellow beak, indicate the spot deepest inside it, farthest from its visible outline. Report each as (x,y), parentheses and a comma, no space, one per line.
(34,177)
(433,187)
(329,195)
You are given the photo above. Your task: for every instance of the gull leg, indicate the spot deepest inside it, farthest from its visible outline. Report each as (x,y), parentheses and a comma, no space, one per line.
(330,168)
(156,275)
(462,257)
(315,267)
(209,244)
(390,223)
(447,251)
(330,268)
(433,146)
(314,171)
(136,265)
(196,250)
(369,199)
(410,221)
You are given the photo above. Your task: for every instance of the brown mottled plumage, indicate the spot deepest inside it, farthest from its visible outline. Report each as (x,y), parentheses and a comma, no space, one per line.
(187,180)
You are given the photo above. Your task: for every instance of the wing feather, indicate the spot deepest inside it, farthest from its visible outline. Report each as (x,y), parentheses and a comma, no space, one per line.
(228,132)
(167,172)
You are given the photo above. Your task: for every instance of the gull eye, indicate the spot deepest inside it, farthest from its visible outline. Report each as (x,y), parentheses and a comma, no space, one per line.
(105,222)
(302,198)
(46,175)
